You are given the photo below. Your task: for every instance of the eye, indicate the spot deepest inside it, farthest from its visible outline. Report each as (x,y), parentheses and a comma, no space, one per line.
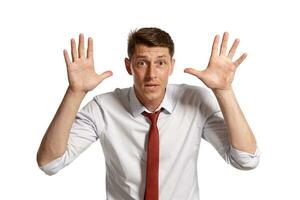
(162,62)
(141,63)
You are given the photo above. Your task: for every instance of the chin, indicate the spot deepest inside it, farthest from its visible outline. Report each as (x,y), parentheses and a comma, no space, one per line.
(152,96)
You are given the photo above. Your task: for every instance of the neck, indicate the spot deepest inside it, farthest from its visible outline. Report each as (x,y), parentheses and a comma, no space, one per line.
(151,105)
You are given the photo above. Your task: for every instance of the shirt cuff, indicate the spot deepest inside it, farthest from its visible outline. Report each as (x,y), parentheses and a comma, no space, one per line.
(244,160)
(54,166)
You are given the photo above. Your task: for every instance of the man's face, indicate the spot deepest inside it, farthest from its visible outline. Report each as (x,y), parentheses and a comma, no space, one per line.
(150,68)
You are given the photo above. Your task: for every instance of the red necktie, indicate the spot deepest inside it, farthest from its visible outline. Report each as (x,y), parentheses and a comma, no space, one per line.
(151,191)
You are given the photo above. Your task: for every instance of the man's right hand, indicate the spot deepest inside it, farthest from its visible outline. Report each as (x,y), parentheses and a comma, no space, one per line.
(81,72)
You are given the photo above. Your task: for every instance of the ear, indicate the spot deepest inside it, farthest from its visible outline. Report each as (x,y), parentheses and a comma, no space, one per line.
(172,67)
(128,66)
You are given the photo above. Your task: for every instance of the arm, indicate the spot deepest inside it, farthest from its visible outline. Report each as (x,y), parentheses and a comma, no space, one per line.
(82,79)
(218,76)
(240,134)
(55,140)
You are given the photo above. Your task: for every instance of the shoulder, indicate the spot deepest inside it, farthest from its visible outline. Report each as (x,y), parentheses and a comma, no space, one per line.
(118,97)
(193,96)
(118,92)
(189,91)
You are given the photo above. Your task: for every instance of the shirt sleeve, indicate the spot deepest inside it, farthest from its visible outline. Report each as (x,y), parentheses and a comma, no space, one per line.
(214,131)
(82,134)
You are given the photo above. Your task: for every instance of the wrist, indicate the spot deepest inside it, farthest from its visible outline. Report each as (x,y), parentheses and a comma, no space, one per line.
(223,92)
(76,93)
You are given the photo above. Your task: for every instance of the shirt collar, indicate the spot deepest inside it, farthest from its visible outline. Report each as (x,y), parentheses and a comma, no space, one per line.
(137,107)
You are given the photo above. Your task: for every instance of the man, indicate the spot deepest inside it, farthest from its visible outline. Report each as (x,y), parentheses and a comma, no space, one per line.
(150,133)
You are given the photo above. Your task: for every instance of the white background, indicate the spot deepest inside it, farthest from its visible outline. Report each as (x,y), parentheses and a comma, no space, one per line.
(33,80)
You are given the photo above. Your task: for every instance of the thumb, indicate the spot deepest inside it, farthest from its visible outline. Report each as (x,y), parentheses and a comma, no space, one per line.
(194,72)
(104,75)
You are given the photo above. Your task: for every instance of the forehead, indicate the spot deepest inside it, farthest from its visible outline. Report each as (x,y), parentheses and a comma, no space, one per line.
(152,52)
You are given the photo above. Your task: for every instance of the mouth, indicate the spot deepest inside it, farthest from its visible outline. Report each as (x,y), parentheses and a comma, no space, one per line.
(151,86)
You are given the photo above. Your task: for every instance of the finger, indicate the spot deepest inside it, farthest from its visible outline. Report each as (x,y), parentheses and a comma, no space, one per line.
(104,75)
(240,59)
(81,46)
(90,48)
(193,72)
(73,50)
(233,48)
(67,58)
(215,49)
(224,44)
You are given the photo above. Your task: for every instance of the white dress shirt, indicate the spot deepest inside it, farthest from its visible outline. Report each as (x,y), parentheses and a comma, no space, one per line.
(115,118)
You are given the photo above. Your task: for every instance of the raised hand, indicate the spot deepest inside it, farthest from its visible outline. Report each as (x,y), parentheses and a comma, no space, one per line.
(81,72)
(220,71)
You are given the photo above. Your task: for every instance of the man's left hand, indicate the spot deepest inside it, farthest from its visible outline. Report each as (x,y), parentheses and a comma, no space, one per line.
(220,71)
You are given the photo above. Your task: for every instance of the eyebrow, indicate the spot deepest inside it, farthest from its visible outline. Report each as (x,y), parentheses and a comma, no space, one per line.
(162,56)
(141,57)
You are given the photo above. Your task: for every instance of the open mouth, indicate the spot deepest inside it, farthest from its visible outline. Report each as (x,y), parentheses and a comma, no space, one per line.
(151,86)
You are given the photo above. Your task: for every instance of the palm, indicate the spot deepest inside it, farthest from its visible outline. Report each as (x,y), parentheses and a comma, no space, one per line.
(220,71)
(81,73)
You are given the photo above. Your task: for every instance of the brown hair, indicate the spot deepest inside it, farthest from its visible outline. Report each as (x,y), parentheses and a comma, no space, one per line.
(151,37)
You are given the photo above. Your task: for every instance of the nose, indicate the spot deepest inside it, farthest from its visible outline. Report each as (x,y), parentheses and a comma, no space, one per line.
(151,71)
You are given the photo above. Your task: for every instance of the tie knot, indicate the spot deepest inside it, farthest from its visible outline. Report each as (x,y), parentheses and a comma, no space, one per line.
(152,116)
